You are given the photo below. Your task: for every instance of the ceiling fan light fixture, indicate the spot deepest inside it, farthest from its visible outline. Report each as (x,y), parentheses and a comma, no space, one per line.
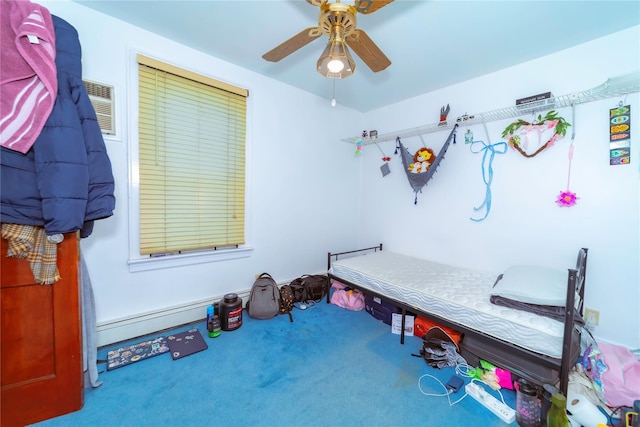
(335,62)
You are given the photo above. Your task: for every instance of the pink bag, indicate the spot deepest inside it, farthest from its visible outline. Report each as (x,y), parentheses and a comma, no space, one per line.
(346,297)
(615,372)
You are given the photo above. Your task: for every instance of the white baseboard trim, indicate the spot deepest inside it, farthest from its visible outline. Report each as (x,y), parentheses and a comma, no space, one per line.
(148,323)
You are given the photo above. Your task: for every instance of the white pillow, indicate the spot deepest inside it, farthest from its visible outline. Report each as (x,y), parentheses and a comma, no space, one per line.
(533,285)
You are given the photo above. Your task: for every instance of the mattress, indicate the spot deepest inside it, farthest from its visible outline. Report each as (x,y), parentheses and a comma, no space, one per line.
(457,294)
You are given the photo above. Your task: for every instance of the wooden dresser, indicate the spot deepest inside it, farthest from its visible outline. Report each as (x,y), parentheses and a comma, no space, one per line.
(41,339)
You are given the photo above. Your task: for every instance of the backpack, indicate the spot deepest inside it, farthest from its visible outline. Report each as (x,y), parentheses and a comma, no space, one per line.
(286,301)
(264,298)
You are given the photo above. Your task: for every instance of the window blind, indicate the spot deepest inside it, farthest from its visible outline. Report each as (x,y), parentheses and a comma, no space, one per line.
(192,133)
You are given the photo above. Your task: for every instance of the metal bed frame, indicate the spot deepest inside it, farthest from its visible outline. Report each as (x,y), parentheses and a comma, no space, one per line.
(573,315)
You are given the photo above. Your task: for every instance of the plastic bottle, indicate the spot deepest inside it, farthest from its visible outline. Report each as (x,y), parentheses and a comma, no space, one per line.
(557,415)
(547,392)
(215,327)
(527,404)
(209,314)
(213,323)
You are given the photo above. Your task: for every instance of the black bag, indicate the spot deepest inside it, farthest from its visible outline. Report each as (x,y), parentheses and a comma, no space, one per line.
(316,285)
(264,299)
(298,290)
(309,287)
(286,301)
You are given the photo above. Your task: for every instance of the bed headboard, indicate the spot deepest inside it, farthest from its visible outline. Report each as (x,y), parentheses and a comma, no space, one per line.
(581,269)
(573,310)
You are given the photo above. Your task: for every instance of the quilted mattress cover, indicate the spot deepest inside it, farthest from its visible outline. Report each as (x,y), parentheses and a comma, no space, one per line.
(457,294)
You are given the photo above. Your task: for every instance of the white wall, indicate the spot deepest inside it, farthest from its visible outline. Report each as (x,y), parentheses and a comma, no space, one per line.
(524,225)
(296,165)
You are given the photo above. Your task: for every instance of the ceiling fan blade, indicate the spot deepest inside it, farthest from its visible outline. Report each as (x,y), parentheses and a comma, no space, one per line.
(368,51)
(370,6)
(285,49)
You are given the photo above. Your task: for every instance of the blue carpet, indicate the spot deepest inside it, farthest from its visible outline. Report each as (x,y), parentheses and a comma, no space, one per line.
(330,367)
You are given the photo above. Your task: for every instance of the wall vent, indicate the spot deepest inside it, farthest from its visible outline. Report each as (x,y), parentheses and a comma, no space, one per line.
(101,97)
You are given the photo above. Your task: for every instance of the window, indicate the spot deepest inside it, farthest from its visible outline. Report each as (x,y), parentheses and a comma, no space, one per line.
(191,160)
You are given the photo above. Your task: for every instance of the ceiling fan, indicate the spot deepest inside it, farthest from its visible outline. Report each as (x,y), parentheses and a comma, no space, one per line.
(338,22)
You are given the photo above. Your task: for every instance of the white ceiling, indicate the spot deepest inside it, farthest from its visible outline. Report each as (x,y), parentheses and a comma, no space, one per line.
(431,44)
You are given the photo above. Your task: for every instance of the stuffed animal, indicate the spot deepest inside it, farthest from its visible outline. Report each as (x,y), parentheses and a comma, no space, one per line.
(422,160)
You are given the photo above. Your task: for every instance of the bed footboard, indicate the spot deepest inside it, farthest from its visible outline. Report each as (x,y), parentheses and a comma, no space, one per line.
(336,255)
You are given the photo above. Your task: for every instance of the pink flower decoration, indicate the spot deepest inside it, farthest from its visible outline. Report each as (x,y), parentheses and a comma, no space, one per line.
(566,199)
(552,124)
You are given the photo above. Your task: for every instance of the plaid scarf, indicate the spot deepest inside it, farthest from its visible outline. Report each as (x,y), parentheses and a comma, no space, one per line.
(30,243)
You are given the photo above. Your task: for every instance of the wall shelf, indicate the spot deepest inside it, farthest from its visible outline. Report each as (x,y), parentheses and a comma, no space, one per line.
(613,87)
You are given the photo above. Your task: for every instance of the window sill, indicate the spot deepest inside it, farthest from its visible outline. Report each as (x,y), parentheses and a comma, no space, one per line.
(170,261)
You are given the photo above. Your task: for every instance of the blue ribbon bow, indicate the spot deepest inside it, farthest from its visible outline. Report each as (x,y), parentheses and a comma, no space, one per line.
(487,171)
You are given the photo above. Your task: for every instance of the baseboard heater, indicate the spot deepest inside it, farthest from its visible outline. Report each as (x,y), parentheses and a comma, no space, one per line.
(148,323)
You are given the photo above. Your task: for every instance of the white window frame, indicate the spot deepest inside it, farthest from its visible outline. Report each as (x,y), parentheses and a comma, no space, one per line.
(138,262)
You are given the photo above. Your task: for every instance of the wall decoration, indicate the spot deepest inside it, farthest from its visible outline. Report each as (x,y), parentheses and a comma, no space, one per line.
(567,198)
(419,180)
(517,133)
(488,153)
(444,112)
(468,137)
(385,166)
(422,160)
(464,118)
(384,169)
(620,135)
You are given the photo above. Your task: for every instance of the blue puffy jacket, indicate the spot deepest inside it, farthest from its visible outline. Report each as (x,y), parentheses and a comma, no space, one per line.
(64,182)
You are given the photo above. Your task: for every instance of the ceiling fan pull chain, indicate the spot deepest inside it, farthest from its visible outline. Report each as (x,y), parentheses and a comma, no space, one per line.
(333,100)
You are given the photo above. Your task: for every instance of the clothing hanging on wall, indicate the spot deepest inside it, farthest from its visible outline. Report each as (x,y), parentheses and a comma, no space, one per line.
(29,82)
(64,182)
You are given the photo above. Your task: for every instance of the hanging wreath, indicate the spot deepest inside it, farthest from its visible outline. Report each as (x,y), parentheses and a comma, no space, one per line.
(520,127)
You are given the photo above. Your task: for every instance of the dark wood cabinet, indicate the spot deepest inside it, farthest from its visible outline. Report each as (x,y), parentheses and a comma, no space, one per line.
(41,339)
